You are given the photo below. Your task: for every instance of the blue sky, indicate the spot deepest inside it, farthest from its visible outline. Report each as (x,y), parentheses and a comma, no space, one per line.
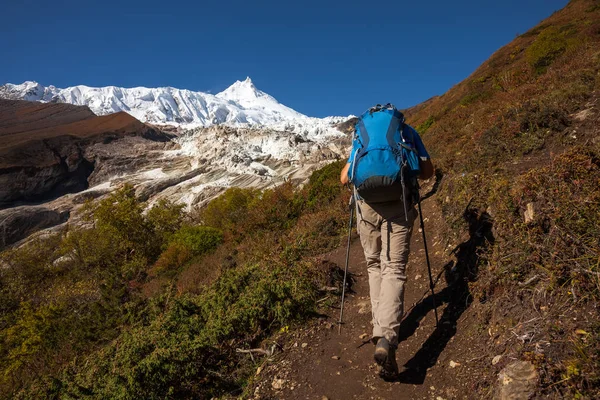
(318,57)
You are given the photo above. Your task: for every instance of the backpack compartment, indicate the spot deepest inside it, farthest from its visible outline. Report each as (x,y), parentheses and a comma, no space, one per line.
(378,175)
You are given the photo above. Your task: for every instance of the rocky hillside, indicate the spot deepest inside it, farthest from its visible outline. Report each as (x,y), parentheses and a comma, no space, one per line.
(52,149)
(518,144)
(43,146)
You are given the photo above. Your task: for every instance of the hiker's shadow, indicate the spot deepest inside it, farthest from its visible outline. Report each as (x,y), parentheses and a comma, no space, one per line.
(456,296)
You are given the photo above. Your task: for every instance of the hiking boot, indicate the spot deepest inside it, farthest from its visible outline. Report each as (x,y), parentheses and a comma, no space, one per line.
(385,357)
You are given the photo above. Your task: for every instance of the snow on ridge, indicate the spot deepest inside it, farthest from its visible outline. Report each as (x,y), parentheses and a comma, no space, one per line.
(240,105)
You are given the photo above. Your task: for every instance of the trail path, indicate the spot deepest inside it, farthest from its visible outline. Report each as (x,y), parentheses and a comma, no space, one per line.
(317,362)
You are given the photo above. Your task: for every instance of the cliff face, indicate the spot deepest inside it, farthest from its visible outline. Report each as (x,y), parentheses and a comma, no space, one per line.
(49,150)
(43,148)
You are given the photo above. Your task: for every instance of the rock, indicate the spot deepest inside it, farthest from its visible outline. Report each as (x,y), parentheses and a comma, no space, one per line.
(304,345)
(496,359)
(43,154)
(277,383)
(529,214)
(454,364)
(364,336)
(418,276)
(517,381)
(364,307)
(583,115)
(335,357)
(324,398)
(19,222)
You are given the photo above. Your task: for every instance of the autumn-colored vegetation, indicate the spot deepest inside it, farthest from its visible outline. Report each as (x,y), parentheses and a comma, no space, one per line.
(517,141)
(153,305)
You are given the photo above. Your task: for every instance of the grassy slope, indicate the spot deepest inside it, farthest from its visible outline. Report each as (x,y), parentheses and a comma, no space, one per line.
(520,136)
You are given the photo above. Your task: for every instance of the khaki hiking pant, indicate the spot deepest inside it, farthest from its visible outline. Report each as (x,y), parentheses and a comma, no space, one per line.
(385,236)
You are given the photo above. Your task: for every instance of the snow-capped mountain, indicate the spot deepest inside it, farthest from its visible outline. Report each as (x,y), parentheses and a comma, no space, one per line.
(242,104)
(241,137)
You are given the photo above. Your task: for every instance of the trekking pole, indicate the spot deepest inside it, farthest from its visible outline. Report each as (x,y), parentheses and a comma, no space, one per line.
(431,285)
(351,205)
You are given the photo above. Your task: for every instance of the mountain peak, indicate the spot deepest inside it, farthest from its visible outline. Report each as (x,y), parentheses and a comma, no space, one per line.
(243,92)
(242,86)
(240,103)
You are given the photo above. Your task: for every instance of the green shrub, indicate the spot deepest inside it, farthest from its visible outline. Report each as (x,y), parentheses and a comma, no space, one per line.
(551,43)
(198,239)
(422,129)
(324,185)
(31,340)
(182,351)
(248,300)
(167,358)
(228,211)
(165,218)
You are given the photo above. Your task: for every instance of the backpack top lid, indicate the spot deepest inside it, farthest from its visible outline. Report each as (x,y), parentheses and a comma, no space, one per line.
(379,126)
(388,108)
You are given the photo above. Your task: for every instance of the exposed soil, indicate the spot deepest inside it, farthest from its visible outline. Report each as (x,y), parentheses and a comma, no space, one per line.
(317,362)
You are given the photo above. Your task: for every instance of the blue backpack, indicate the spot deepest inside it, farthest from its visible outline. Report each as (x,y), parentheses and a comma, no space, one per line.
(385,162)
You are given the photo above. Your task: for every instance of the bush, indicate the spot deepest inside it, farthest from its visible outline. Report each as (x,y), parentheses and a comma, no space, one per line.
(173,258)
(247,301)
(422,129)
(551,43)
(181,352)
(32,339)
(228,211)
(198,239)
(324,185)
(165,218)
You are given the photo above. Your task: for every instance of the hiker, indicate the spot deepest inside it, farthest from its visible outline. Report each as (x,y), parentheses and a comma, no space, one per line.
(385,207)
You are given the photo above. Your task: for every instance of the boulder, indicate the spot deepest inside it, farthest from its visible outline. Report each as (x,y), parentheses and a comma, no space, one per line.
(517,381)
(19,222)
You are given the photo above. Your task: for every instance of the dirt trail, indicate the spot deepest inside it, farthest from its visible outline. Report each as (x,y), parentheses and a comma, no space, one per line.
(318,363)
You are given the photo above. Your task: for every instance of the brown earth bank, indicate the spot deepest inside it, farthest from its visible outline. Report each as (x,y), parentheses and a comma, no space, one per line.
(48,150)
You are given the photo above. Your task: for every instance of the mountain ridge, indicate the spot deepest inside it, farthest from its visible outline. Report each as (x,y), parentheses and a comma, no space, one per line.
(241,104)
